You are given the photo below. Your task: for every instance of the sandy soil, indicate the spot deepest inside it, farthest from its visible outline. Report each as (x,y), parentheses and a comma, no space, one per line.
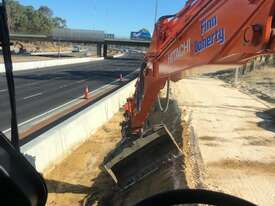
(42,46)
(235,138)
(77,177)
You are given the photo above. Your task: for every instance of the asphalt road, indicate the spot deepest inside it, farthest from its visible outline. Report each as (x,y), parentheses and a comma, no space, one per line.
(38,91)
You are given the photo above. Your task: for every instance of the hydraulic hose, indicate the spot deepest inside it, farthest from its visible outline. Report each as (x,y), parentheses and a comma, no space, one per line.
(167,99)
(140,87)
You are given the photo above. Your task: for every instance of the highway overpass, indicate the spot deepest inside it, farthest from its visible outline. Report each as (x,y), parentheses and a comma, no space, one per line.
(82,36)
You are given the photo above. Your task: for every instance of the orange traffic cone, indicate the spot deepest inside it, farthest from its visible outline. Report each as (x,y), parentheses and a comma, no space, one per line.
(86,92)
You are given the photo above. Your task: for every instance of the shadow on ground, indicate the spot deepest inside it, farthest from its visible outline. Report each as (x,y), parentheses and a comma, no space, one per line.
(63,187)
(268,117)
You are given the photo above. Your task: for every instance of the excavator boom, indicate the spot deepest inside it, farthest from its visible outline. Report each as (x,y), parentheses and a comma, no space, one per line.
(200,38)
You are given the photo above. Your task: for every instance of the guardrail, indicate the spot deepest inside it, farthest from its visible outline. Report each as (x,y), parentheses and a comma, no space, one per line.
(51,147)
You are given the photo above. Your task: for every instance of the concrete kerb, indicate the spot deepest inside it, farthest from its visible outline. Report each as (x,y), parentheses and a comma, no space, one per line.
(48,149)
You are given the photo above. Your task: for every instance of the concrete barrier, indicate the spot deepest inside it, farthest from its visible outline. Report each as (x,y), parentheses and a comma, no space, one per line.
(50,53)
(47,150)
(21,66)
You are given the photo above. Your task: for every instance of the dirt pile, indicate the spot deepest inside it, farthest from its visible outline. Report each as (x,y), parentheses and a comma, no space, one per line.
(41,46)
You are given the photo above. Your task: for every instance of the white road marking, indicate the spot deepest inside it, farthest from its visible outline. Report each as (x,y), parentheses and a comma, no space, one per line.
(3,90)
(66,85)
(63,105)
(34,95)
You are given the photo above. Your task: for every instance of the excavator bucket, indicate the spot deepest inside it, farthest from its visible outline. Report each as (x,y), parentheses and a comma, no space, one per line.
(133,161)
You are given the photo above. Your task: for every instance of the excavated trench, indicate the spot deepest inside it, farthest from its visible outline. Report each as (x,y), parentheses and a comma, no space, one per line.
(169,176)
(81,179)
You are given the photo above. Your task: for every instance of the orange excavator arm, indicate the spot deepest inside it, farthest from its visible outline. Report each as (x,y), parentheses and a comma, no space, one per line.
(203,37)
(211,32)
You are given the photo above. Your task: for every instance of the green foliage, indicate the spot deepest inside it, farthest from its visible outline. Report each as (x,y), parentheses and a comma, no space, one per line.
(59,22)
(26,19)
(46,11)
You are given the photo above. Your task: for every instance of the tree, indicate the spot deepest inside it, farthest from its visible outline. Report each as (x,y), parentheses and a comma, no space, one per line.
(46,11)
(25,19)
(59,22)
(14,12)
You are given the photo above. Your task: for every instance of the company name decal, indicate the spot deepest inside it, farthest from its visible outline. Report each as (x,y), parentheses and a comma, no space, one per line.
(217,35)
(181,51)
(211,34)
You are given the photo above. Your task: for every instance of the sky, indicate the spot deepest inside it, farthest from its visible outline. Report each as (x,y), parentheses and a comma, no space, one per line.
(112,16)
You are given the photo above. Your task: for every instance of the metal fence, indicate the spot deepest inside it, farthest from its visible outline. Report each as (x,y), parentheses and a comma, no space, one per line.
(256,63)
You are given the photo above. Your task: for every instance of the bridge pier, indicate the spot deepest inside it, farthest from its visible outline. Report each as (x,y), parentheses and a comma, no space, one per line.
(99,49)
(105,50)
